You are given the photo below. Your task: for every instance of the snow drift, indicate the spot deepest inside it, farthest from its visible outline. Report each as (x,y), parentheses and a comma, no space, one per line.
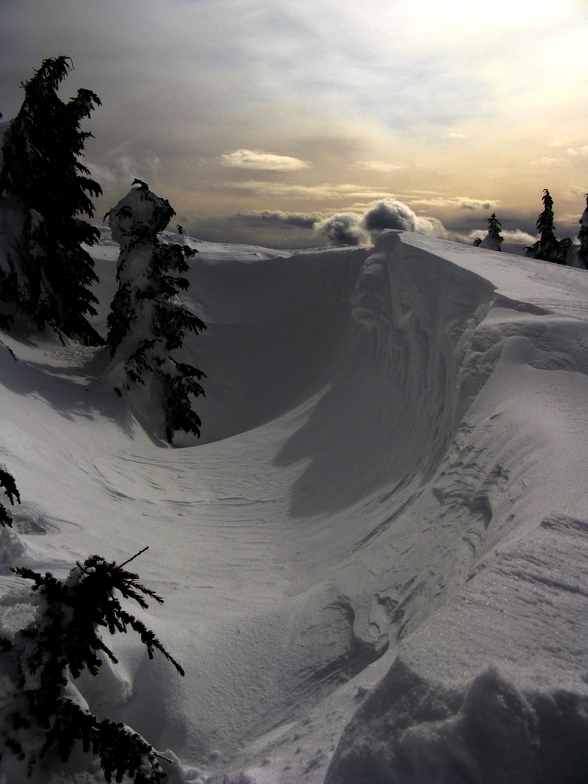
(375,560)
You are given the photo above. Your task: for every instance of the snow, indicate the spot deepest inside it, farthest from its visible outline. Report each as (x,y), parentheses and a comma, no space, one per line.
(375,560)
(491,242)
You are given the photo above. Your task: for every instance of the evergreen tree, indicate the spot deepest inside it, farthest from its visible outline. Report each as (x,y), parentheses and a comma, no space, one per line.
(493,240)
(565,254)
(43,190)
(48,715)
(583,237)
(148,320)
(8,485)
(547,247)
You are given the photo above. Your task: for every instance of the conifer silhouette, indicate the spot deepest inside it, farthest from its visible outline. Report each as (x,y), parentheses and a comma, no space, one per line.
(43,190)
(46,718)
(493,240)
(547,247)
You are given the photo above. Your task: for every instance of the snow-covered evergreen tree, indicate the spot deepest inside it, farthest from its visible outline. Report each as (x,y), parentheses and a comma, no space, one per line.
(547,247)
(148,320)
(47,715)
(43,190)
(583,237)
(493,240)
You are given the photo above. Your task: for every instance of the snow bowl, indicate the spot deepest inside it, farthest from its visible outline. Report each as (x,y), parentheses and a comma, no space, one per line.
(375,560)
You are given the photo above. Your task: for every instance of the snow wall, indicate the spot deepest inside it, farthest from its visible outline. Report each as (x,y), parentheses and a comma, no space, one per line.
(379,549)
(441,464)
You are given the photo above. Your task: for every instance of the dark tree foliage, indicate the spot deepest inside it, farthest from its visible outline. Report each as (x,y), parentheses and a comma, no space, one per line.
(50,271)
(494,226)
(583,237)
(564,249)
(147,320)
(64,639)
(548,247)
(8,484)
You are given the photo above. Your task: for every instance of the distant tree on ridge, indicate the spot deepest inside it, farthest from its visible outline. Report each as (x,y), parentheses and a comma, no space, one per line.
(547,248)
(493,240)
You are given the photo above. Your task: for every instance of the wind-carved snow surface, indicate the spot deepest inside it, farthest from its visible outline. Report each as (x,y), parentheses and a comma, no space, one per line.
(375,561)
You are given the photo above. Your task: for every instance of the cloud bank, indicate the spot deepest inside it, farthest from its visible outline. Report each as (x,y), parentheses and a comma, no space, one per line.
(279,219)
(325,191)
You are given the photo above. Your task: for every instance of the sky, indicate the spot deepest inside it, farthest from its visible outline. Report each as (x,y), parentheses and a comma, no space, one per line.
(297,123)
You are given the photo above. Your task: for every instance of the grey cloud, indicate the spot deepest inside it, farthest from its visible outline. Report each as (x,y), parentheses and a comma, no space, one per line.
(574,193)
(447,202)
(394,214)
(475,204)
(279,219)
(389,214)
(343,228)
(118,170)
(352,228)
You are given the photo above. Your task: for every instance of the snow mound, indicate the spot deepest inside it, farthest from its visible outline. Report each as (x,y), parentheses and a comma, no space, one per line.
(412,730)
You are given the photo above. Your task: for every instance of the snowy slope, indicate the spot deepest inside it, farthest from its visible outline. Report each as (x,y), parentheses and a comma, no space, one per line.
(390,494)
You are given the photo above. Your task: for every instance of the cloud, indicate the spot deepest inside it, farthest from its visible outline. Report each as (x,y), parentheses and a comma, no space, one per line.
(393,214)
(580,151)
(279,218)
(343,228)
(455,136)
(462,202)
(352,228)
(511,237)
(389,214)
(569,221)
(547,161)
(518,237)
(325,191)
(574,193)
(380,166)
(256,159)
(122,166)
(476,204)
